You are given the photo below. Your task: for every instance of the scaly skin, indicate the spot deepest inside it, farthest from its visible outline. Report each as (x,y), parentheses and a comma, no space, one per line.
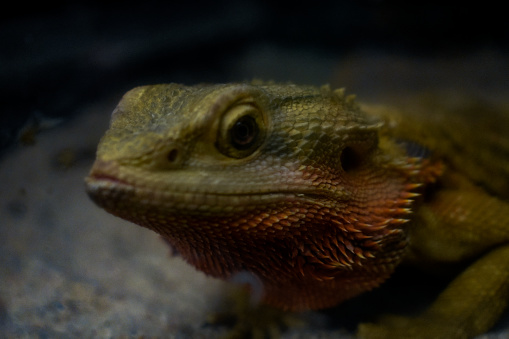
(312,195)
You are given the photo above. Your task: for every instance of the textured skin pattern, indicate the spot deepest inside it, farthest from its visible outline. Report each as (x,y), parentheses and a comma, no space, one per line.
(311,195)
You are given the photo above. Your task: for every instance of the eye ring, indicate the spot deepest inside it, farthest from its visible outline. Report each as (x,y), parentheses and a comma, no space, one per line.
(241,130)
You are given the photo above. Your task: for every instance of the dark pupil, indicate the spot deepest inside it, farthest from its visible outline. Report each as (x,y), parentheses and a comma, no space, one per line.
(244,132)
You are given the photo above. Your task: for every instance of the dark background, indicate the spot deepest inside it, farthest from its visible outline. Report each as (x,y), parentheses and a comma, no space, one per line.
(57,56)
(68,268)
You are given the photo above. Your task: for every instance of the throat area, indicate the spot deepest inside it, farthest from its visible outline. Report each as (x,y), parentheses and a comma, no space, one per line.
(306,233)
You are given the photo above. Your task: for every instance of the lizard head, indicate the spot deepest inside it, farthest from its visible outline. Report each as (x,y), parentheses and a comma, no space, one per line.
(293,184)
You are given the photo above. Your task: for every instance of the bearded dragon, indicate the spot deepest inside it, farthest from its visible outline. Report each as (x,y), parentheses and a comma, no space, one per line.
(319,197)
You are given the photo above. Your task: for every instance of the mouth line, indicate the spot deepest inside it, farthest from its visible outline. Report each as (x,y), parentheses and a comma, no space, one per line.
(105,178)
(101,181)
(108,176)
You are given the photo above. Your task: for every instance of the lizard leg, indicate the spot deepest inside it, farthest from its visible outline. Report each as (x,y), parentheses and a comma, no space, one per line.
(457,225)
(470,305)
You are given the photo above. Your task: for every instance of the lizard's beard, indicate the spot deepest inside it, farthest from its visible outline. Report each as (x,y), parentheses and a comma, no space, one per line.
(337,249)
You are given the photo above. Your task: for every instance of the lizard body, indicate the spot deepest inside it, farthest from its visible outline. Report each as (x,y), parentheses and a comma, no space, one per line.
(313,195)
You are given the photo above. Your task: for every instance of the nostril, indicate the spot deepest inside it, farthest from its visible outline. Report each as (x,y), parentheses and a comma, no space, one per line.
(172,155)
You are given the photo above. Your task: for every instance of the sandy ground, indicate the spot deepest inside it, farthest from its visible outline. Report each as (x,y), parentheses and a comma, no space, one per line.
(68,269)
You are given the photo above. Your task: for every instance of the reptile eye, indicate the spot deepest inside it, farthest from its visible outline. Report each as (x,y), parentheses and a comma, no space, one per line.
(241,131)
(244,132)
